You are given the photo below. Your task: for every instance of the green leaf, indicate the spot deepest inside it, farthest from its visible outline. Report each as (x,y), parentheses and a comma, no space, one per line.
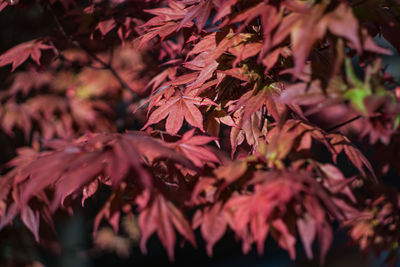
(356,97)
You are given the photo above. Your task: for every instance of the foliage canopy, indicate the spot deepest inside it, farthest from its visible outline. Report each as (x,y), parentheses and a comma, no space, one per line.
(271,119)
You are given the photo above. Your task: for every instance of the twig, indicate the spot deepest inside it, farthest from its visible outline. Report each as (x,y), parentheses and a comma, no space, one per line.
(87,51)
(343,123)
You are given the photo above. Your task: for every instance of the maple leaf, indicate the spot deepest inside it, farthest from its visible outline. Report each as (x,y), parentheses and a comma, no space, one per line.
(178,108)
(162,31)
(238,73)
(269,17)
(205,44)
(286,240)
(252,130)
(299,26)
(303,94)
(343,23)
(314,24)
(342,143)
(253,100)
(243,210)
(199,12)
(205,74)
(336,182)
(20,53)
(162,216)
(245,50)
(213,225)
(3,4)
(31,220)
(192,147)
(275,191)
(223,7)
(214,120)
(165,23)
(106,26)
(15,115)
(205,186)
(232,171)
(157,80)
(26,81)
(307,231)
(75,165)
(174,12)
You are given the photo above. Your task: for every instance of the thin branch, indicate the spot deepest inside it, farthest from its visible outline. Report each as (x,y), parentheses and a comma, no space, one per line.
(344,123)
(87,51)
(64,59)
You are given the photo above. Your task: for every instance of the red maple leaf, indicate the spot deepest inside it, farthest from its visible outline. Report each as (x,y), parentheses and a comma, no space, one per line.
(20,53)
(178,108)
(162,216)
(192,147)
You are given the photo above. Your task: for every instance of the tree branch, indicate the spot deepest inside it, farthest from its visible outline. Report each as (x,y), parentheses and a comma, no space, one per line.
(75,43)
